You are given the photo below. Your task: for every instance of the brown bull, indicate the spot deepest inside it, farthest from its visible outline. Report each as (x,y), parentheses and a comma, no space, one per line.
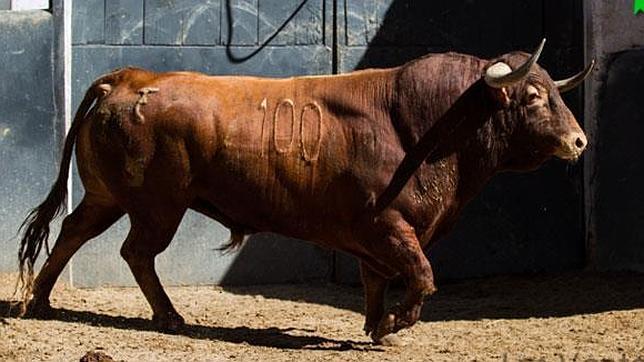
(325,159)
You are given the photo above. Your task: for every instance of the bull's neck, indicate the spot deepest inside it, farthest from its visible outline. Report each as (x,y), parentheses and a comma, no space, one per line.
(486,154)
(488,150)
(457,117)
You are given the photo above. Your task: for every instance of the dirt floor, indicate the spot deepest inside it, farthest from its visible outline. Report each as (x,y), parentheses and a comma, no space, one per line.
(551,318)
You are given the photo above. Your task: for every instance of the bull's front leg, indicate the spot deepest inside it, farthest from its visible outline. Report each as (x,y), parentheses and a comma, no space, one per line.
(399,249)
(374,286)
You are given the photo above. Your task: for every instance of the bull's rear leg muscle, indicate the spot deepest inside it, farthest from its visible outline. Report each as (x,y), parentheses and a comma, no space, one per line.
(375,287)
(400,250)
(147,238)
(88,220)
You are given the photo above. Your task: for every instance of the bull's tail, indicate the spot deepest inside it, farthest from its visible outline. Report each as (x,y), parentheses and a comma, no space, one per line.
(35,228)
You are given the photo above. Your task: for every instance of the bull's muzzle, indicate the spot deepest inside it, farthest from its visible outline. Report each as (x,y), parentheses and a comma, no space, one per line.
(572,145)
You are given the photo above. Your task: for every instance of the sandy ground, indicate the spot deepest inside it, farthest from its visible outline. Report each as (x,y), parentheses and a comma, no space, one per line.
(551,318)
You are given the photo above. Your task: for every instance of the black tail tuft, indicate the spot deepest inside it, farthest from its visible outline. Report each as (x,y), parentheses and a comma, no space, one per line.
(234,243)
(35,233)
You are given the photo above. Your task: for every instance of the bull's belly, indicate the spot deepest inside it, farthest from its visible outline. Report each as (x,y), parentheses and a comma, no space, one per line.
(284,194)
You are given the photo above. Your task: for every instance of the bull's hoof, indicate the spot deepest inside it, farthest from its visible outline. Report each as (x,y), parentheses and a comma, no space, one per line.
(170,322)
(385,327)
(390,340)
(37,309)
(369,326)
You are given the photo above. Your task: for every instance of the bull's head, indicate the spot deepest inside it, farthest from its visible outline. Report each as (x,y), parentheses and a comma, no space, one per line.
(537,122)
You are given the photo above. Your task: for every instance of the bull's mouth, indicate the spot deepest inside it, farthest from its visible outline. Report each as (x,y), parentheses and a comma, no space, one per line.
(569,153)
(569,157)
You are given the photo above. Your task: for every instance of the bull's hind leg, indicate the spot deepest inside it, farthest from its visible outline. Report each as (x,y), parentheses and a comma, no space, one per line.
(399,249)
(148,237)
(88,220)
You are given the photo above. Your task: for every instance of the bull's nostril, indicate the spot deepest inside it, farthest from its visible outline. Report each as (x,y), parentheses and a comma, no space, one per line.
(579,143)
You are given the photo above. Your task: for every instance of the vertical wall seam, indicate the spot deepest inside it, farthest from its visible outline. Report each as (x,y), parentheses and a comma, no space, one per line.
(67,77)
(334,70)
(61,63)
(104,42)
(590,125)
(143,42)
(544,31)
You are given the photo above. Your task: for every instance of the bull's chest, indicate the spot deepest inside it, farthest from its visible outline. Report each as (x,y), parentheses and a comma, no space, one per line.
(435,195)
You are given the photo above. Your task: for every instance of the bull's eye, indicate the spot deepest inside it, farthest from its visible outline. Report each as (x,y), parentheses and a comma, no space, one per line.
(533,97)
(532,94)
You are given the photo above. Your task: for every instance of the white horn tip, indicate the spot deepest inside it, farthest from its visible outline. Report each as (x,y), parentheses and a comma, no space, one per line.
(539,49)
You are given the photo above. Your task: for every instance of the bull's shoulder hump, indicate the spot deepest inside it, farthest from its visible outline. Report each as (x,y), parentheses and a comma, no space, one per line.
(446,57)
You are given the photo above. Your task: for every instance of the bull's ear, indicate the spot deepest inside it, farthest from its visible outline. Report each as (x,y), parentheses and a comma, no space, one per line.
(499,96)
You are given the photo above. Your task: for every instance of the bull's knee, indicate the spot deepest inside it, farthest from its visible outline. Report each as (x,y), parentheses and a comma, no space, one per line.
(426,285)
(129,253)
(144,244)
(422,279)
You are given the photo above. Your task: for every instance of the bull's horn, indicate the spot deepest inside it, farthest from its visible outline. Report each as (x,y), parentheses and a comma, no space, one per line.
(501,75)
(567,84)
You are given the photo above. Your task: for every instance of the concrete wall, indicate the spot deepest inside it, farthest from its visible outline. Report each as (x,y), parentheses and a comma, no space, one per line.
(28,129)
(615,117)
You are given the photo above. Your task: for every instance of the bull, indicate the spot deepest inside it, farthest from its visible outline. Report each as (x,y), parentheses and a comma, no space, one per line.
(375,163)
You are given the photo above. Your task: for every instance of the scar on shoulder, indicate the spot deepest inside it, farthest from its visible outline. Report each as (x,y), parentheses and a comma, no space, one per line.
(143,100)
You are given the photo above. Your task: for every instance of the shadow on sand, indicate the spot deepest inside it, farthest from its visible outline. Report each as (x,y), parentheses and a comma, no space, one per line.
(508,297)
(262,337)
